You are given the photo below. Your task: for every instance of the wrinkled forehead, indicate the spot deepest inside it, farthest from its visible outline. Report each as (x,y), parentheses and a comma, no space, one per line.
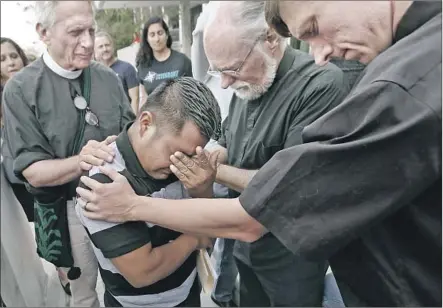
(74,13)
(296,14)
(224,49)
(102,40)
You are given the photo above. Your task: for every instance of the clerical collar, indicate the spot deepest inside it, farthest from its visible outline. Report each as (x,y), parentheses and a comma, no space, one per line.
(53,66)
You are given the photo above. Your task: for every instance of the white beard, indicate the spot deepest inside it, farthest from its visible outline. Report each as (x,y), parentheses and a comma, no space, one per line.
(248,91)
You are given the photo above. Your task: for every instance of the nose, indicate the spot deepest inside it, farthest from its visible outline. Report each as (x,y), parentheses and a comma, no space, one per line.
(87,41)
(322,53)
(11,62)
(226,80)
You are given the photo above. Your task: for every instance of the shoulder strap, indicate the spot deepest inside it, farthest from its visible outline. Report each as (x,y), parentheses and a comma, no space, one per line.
(86,89)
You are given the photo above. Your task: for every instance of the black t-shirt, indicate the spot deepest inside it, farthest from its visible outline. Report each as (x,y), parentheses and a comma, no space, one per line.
(127,74)
(177,65)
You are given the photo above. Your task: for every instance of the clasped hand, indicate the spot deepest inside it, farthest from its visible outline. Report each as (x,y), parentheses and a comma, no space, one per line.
(197,173)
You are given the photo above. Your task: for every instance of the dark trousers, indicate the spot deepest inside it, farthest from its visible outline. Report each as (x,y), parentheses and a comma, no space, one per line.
(26,200)
(299,284)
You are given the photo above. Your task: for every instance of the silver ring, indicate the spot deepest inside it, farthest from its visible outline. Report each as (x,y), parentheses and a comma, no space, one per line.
(191,164)
(81,202)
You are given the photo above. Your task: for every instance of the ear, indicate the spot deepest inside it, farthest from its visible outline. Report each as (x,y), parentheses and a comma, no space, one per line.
(272,40)
(43,33)
(146,123)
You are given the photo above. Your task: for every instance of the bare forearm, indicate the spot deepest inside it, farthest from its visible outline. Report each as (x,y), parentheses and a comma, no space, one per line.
(208,193)
(143,94)
(135,104)
(234,178)
(53,172)
(224,218)
(168,258)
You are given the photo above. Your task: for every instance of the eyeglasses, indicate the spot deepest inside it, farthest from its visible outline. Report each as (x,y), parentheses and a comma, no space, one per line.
(236,72)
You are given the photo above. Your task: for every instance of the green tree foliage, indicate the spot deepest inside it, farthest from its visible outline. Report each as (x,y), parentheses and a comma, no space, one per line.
(119,23)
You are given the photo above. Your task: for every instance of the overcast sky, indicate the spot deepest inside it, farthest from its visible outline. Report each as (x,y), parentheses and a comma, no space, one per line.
(18,25)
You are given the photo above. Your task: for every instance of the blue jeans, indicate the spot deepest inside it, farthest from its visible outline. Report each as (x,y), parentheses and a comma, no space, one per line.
(225,268)
(332,296)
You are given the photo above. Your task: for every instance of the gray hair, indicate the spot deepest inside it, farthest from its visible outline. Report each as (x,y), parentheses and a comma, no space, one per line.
(104,34)
(45,12)
(185,99)
(248,17)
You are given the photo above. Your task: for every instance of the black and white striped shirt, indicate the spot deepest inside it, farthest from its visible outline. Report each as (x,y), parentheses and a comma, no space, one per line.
(112,240)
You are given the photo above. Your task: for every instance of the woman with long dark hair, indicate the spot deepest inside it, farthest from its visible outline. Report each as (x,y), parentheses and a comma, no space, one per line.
(13,59)
(156,61)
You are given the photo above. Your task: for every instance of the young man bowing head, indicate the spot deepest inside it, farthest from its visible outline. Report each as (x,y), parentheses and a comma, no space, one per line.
(143,264)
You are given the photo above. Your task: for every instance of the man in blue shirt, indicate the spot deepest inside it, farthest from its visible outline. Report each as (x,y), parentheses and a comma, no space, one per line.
(105,54)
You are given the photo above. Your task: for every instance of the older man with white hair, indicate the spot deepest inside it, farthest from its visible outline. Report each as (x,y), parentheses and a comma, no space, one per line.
(52,108)
(278,91)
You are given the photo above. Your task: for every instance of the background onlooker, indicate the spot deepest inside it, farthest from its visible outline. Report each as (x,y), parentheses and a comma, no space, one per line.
(13,59)
(105,54)
(156,61)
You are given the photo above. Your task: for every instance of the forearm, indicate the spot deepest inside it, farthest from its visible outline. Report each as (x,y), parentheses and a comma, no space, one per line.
(143,94)
(208,193)
(134,103)
(53,172)
(234,178)
(224,218)
(168,258)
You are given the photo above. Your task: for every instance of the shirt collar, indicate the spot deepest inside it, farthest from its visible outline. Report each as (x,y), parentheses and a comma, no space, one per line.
(131,160)
(53,66)
(416,16)
(285,63)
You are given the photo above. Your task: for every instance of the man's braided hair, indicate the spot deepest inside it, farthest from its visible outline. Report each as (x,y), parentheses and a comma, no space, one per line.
(185,99)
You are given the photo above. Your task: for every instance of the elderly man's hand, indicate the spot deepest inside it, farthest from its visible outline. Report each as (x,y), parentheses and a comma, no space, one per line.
(95,153)
(112,201)
(219,156)
(197,173)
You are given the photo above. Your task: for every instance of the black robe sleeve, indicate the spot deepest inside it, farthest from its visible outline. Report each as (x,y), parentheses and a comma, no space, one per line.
(360,163)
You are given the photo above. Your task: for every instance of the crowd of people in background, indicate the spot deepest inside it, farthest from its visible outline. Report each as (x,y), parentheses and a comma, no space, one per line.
(319,175)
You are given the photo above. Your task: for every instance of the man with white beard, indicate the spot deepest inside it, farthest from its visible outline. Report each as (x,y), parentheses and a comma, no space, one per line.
(278,91)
